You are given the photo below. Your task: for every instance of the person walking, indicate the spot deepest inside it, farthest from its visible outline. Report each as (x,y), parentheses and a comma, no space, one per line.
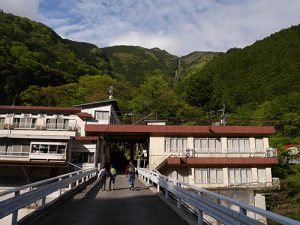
(102,178)
(130,174)
(112,177)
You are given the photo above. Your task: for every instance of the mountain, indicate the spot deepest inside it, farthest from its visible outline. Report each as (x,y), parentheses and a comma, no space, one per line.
(134,63)
(32,53)
(252,75)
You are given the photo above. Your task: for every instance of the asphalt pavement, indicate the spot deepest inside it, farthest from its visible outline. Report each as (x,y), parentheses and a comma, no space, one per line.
(120,206)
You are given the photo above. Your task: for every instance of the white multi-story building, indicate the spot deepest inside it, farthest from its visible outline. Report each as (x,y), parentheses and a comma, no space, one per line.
(39,141)
(231,160)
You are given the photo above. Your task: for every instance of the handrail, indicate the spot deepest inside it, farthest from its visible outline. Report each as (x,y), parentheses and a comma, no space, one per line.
(194,196)
(40,190)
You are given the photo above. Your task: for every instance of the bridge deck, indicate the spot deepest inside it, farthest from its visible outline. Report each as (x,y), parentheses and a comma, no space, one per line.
(120,206)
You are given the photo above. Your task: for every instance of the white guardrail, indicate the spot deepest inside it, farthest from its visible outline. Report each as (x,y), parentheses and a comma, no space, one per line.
(20,197)
(210,203)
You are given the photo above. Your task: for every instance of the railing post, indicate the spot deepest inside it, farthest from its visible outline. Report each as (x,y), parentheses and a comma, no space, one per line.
(60,190)
(166,193)
(43,201)
(70,185)
(200,217)
(157,189)
(178,203)
(77,181)
(14,219)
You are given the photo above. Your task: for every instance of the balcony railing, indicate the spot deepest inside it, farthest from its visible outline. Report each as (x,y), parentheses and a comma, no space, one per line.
(14,154)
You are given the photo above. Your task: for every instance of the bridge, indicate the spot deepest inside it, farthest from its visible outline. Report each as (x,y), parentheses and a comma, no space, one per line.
(76,198)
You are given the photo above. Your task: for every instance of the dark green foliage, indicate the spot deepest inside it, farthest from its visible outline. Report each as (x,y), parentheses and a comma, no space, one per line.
(33,54)
(254,74)
(135,63)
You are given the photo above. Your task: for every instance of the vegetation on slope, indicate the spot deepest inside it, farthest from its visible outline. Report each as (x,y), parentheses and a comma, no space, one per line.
(255,74)
(135,63)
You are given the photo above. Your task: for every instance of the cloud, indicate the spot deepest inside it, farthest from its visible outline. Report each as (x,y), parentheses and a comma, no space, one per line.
(177,26)
(27,8)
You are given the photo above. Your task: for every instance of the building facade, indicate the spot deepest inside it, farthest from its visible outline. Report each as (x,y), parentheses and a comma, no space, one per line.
(39,142)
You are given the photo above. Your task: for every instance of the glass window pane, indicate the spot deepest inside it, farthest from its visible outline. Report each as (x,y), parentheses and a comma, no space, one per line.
(44,148)
(61,149)
(52,149)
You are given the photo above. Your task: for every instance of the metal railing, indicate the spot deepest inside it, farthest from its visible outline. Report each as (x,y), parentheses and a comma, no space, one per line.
(204,201)
(28,194)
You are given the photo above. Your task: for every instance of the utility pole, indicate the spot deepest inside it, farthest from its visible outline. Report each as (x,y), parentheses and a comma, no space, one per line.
(223,116)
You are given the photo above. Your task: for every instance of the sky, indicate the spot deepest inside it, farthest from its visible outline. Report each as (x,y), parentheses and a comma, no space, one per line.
(177,26)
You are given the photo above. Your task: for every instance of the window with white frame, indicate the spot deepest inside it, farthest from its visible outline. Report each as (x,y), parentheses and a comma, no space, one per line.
(175,144)
(82,157)
(238,145)
(181,175)
(15,150)
(48,148)
(262,175)
(57,123)
(208,175)
(259,144)
(240,175)
(102,115)
(207,145)
(2,119)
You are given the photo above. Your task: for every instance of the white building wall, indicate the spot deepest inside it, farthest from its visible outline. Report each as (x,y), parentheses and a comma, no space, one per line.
(260,202)
(156,151)
(92,111)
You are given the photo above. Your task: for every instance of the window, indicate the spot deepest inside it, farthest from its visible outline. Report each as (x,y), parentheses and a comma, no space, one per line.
(102,115)
(57,123)
(24,122)
(240,175)
(175,144)
(14,150)
(261,175)
(208,176)
(181,175)
(16,122)
(82,157)
(2,122)
(238,145)
(259,144)
(2,149)
(48,148)
(206,145)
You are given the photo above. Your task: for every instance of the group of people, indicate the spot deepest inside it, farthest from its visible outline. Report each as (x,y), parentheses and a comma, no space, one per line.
(103,174)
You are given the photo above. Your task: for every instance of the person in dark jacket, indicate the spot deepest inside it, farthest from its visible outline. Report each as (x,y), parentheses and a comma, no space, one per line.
(130,174)
(102,178)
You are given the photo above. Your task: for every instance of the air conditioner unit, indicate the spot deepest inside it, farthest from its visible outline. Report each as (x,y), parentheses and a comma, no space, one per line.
(189,152)
(270,152)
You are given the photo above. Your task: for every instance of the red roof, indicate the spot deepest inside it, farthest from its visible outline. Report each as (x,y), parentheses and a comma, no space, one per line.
(184,130)
(86,138)
(84,115)
(290,146)
(40,108)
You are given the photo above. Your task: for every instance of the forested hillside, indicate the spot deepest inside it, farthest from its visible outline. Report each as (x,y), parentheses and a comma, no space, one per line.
(31,53)
(252,75)
(260,82)
(135,63)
